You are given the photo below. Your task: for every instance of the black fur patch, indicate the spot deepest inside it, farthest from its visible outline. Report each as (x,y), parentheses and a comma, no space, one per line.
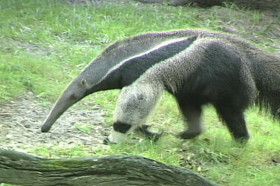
(133,68)
(146,61)
(121,127)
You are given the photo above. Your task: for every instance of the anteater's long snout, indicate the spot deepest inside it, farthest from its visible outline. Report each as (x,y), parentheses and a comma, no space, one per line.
(46,126)
(55,113)
(61,105)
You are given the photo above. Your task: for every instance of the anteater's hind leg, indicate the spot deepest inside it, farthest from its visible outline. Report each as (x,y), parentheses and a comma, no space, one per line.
(234,120)
(192,115)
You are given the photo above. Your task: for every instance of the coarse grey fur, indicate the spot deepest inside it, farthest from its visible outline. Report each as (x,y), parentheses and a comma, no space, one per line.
(100,74)
(211,70)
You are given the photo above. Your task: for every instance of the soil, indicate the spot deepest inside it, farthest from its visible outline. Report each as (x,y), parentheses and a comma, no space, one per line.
(22,118)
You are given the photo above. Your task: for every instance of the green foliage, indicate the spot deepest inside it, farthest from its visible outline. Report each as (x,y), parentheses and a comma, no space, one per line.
(44,44)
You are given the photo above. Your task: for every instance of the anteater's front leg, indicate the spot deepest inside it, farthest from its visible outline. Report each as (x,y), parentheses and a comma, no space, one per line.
(144,129)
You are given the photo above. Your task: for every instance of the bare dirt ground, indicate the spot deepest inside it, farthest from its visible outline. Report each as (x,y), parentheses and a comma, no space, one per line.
(22,118)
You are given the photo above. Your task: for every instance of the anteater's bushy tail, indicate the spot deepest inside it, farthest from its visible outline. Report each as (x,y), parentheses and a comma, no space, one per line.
(267,78)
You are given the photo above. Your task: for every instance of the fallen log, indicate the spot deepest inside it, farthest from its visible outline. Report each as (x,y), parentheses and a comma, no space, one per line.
(23,169)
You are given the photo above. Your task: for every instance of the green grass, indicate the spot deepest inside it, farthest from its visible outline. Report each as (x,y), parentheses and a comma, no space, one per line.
(44,44)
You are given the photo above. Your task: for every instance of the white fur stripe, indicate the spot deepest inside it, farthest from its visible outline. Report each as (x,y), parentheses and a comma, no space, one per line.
(164,43)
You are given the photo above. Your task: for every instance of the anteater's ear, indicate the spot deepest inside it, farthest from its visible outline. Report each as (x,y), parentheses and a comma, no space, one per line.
(84,83)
